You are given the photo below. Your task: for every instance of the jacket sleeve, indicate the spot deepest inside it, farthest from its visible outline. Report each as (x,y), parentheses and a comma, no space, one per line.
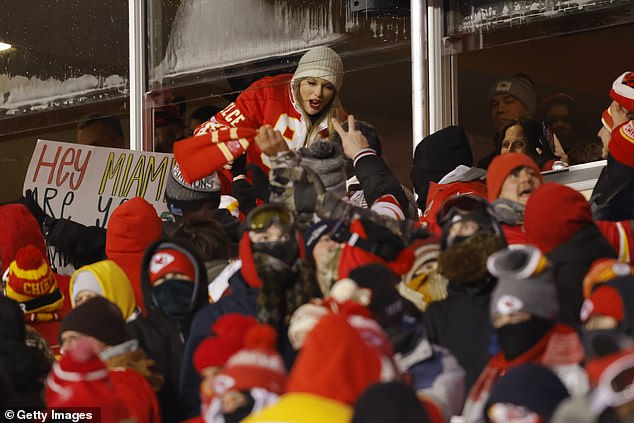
(81,244)
(377,180)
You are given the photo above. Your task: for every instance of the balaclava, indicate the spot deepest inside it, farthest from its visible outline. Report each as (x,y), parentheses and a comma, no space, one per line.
(525,284)
(462,259)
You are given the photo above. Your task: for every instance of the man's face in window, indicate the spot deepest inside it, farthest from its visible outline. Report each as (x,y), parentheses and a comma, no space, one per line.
(504,109)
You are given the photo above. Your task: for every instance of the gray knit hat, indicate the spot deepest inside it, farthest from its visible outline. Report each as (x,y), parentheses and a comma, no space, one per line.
(519,87)
(525,283)
(177,189)
(321,62)
(325,158)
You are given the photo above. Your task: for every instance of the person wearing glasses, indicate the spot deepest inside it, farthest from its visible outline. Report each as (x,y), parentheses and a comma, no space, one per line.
(270,281)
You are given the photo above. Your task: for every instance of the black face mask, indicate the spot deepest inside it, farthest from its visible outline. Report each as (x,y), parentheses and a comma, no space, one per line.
(286,251)
(174,298)
(517,338)
(601,342)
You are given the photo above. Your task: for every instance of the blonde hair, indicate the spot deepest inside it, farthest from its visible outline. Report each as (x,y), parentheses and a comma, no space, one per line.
(334,109)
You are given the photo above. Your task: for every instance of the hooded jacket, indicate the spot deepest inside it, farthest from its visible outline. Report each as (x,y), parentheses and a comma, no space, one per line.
(133,226)
(114,284)
(571,262)
(20,229)
(161,337)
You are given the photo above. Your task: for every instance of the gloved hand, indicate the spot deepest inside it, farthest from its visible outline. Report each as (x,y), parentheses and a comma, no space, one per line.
(35,209)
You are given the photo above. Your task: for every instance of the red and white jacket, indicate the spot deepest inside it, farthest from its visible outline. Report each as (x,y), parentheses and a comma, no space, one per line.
(268,101)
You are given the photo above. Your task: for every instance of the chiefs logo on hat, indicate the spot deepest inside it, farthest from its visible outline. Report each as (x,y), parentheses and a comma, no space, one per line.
(508,304)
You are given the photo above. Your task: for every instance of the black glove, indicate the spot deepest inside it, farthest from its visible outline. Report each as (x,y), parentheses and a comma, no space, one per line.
(239,166)
(33,207)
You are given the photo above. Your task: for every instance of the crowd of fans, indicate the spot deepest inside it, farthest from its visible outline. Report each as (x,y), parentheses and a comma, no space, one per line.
(332,293)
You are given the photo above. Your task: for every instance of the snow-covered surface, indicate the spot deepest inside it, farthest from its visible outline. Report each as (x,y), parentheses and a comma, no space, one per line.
(209,34)
(512,12)
(20,94)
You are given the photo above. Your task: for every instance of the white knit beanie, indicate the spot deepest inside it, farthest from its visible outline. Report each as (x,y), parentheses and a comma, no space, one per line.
(321,62)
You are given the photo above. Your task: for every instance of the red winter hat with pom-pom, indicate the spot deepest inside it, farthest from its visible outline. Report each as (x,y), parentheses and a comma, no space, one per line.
(30,278)
(229,332)
(257,365)
(81,379)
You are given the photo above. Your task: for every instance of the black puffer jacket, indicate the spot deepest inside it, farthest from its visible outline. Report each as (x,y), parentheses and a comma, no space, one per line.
(162,338)
(462,324)
(571,261)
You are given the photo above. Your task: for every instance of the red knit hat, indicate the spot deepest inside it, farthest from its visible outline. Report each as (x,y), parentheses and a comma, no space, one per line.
(623,90)
(81,379)
(604,301)
(621,144)
(603,270)
(354,254)
(258,365)
(170,261)
(337,362)
(229,332)
(554,213)
(502,166)
(30,277)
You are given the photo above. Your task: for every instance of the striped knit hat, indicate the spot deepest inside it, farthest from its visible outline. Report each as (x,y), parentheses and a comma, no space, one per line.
(32,283)
(623,90)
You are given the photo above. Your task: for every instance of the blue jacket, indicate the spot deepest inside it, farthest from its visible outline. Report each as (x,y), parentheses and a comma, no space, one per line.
(241,300)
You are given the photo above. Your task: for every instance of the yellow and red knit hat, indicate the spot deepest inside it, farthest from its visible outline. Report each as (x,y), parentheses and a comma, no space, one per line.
(32,283)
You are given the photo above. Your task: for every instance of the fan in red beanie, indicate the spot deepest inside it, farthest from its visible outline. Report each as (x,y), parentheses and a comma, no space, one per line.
(252,378)
(511,179)
(212,354)
(554,213)
(559,222)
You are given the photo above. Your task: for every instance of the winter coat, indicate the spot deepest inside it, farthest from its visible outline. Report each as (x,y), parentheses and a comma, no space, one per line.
(613,195)
(162,338)
(81,244)
(24,367)
(436,376)
(137,394)
(114,284)
(19,229)
(269,100)
(242,300)
(462,324)
(297,407)
(377,180)
(133,226)
(560,350)
(571,261)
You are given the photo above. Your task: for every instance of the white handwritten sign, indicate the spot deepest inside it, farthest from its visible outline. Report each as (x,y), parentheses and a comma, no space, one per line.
(85,183)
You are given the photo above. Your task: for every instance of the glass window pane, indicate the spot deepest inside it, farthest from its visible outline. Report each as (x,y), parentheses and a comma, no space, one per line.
(68,59)
(205,52)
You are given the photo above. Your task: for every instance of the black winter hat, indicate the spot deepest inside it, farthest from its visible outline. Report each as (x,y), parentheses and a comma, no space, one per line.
(387,403)
(437,155)
(98,318)
(532,386)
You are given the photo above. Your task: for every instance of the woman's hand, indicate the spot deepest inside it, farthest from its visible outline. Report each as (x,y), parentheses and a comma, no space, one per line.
(353,140)
(270,141)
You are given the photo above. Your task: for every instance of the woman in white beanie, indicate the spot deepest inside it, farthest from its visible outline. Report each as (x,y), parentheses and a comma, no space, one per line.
(286,112)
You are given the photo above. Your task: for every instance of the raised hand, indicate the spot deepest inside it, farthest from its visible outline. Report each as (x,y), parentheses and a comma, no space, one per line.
(352,140)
